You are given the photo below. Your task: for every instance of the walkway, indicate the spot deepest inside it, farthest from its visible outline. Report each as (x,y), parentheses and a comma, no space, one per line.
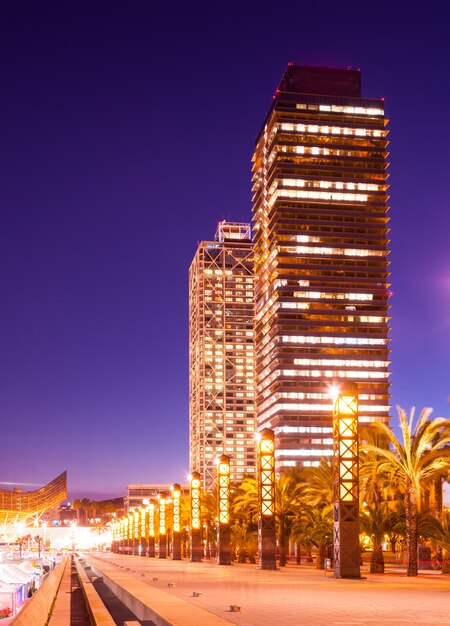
(293,595)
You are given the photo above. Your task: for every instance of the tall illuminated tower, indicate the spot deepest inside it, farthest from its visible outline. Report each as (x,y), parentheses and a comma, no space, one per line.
(221,354)
(321,267)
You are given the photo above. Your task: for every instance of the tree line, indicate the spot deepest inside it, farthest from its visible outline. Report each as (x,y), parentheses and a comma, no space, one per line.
(401,481)
(93,509)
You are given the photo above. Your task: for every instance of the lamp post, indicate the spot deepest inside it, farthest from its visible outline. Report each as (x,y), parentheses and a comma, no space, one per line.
(113,535)
(223,526)
(118,535)
(176,504)
(136,531)
(346,482)
(144,531)
(196,523)
(151,529)
(121,535)
(130,533)
(266,497)
(162,547)
(125,535)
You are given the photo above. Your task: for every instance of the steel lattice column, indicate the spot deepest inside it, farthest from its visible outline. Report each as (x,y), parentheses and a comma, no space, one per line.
(346,483)
(162,537)
(223,526)
(176,504)
(196,525)
(266,495)
(151,529)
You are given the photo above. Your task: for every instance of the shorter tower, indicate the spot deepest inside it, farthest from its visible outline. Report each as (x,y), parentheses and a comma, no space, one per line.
(221,354)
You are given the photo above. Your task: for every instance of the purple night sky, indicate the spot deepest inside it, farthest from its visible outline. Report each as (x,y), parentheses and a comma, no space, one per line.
(127,130)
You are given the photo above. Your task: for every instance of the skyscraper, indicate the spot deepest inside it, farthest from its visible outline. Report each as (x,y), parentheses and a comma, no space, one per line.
(321,267)
(221,354)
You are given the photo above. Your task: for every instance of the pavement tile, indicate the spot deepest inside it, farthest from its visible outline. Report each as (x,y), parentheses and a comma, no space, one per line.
(296,594)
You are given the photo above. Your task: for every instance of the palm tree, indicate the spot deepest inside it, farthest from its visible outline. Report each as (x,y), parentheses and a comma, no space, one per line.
(376,521)
(76,505)
(209,515)
(185,523)
(245,510)
(428,527)
(85,502)
(91,510)
(375,487)
(314,527)
(318,484)
(422,455)
(288,489)
(445,542)
(396,517)
(245,503)
(288,503)
(245,541)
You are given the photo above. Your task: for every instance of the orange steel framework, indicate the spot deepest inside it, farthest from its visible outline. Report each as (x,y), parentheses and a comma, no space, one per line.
(266,494)
(221,354)
(346,483)
(21,506)
(195,501)
(321,267)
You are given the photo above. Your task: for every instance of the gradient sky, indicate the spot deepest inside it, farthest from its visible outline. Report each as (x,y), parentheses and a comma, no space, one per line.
(127,130)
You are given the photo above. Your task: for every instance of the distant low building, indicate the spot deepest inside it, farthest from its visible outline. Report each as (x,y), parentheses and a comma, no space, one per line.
(138,495)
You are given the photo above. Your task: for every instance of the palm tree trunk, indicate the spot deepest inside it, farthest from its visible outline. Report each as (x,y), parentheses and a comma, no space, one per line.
(320,557)
(446,563)
(411,528)
(282,543)
(377,560)
(437,496)
(298,553)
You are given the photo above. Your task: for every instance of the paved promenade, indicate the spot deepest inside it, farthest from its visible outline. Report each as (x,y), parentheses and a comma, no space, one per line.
(297,595)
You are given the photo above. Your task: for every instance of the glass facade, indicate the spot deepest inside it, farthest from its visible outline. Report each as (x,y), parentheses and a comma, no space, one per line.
(320,258)
(221,354)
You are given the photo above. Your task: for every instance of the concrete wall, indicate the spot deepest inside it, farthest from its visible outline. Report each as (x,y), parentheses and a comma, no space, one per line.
(36,610)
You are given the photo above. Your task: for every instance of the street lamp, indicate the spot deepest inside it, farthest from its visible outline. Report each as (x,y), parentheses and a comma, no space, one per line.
(136,531)
(151,528)
(121,535)
(162,547)
(266,497)
(176,504)
(125,534)
(346,482)
(144,531)
(130,532)
(113,535)
(196,525)
(223,526)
